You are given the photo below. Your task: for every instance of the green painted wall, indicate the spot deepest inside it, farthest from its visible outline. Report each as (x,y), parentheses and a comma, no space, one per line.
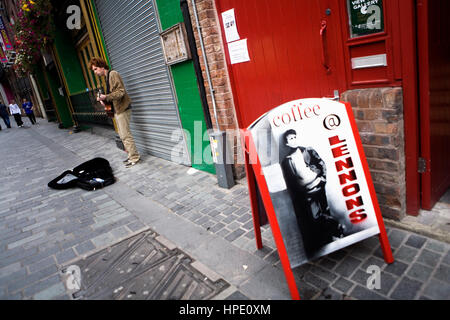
(69,62)
(41,83)
(189,102)
(60,101)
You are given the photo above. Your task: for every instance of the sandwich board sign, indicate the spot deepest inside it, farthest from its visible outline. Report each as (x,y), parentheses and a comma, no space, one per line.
(306,164)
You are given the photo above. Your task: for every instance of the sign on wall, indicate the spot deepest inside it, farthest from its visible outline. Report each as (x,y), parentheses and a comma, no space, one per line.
(174,43)
(3,57)
(5,41)
(366,17)
(317,177)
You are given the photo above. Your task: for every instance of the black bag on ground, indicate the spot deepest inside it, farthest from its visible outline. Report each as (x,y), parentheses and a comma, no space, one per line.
(90,175)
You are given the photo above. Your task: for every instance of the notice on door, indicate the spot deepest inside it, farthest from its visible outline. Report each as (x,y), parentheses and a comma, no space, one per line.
(238,51)
(366,17)
(229,24)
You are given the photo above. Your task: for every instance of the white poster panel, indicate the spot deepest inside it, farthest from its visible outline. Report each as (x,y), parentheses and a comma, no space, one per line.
(316,180)
(229,24)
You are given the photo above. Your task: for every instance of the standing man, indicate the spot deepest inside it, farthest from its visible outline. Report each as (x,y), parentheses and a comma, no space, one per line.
(305,176)
(121,105)
(4,114)
(17,114)
(28,107)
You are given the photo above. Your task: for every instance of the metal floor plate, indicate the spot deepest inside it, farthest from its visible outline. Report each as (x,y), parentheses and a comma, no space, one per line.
(140,268)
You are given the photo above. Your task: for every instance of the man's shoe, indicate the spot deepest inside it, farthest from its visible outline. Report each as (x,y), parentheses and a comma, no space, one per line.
(126,161)
(130,164)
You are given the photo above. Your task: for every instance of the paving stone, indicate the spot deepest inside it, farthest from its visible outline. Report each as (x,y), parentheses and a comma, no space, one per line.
(446,259)
(307,291)
(397,268)
(65,256)
(337,255)
(327,263)
(406,254)
(324,274)
(330,294)
(13,277)
(53,292)
(429,258)
(234,235)
(407,289)
(420,272)
(437,290)
(435,246)
(41,286)
(16,256)
(34,258)
(49,261)
(347,266)
(136,226)
(362,293)
(85,247)
(360,277)
(217,227)
(416,241)
(263,252)
(8,270)
(316,281)
(343,285)
(443,273)
(237,296)
(396,237)
(28,239)
(373,261)
(120,232)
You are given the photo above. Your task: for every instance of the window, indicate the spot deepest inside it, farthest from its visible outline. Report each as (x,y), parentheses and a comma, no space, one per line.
(85,53)
(366,17)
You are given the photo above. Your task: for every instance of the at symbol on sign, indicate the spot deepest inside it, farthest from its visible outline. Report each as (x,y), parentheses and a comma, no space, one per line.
(332,122)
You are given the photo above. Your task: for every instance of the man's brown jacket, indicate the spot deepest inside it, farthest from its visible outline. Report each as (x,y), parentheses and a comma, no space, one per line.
(118,95)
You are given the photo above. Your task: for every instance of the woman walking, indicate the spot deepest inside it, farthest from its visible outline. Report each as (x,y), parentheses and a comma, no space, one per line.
(17,114)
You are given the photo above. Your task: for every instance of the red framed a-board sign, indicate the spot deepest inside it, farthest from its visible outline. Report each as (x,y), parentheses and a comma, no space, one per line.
(307,173)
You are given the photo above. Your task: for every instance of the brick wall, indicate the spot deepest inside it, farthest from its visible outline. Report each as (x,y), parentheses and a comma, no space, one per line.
(379,117)
(214,49)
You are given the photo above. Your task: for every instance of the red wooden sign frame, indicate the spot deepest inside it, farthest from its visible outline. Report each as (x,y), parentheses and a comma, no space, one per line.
(255,175)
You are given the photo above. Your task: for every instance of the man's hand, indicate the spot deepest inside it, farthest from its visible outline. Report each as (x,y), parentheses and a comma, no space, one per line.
(101,97)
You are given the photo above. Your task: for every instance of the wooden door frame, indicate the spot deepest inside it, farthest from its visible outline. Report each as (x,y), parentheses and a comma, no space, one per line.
(424,100)
(408,41)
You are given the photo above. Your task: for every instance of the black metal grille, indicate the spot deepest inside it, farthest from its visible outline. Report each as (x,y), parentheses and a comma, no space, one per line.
(88,110)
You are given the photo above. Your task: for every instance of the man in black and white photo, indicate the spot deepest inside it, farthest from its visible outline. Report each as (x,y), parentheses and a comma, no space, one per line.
(305,176)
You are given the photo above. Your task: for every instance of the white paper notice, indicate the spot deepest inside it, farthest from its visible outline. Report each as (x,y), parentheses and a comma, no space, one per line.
(238,51)
(229,23)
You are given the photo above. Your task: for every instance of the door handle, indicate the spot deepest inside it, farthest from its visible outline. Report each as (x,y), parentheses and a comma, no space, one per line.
(323,32)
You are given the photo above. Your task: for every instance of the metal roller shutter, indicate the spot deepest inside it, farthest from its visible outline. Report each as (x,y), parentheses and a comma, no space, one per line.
(131,32)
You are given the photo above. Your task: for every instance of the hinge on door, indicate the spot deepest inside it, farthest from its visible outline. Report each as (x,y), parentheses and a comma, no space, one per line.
(422,165)
(336,96)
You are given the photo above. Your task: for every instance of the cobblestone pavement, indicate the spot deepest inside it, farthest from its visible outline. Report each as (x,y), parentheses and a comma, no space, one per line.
(42,230)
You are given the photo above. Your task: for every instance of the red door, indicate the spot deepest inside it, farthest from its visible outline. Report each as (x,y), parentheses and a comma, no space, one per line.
(295,50)
(434,80)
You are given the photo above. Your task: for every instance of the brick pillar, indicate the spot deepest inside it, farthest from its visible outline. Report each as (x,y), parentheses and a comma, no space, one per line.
(379,117)
(215,54)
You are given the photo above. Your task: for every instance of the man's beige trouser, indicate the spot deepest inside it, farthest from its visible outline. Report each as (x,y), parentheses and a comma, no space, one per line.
(123,125)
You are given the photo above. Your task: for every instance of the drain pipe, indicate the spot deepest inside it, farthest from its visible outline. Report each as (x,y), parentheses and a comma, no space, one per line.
(208,75)
(217,138)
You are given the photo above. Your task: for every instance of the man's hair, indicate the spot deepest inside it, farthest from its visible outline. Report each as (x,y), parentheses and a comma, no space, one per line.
(98,62)
(287,133)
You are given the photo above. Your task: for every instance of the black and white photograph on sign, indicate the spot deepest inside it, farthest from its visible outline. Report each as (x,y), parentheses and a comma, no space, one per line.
(315,177)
